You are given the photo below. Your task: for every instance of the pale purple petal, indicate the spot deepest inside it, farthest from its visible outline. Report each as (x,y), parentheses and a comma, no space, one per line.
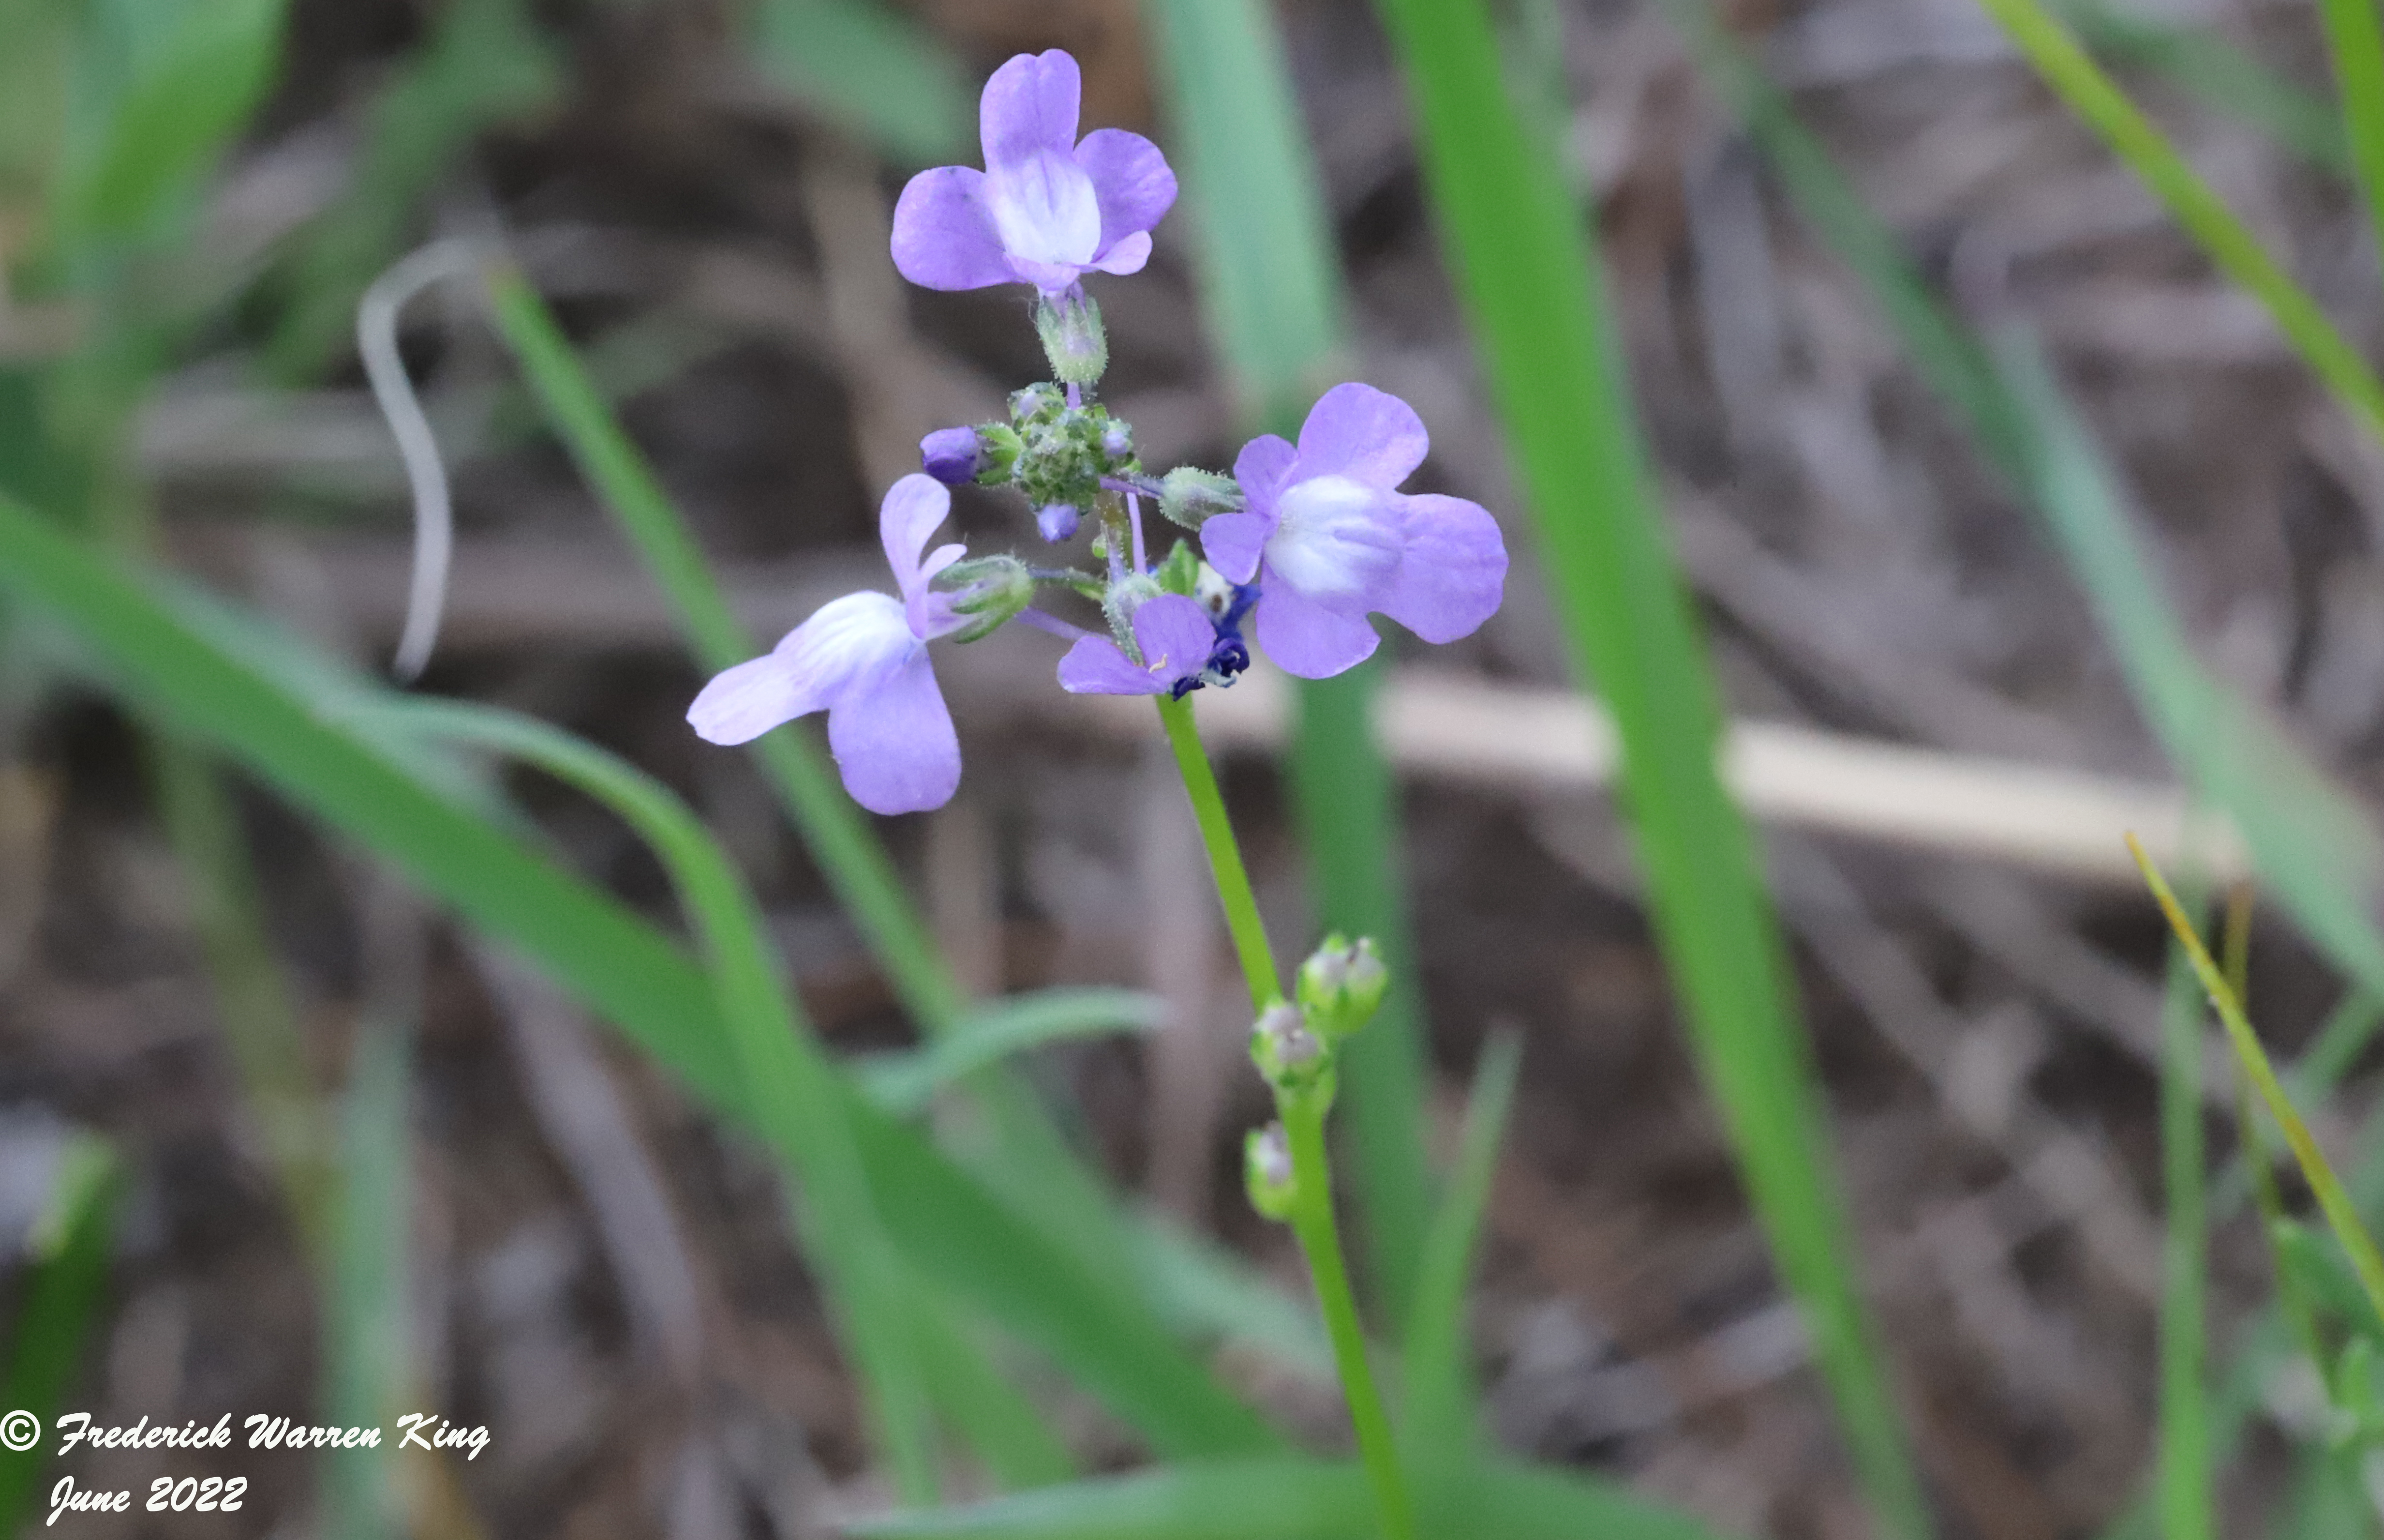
(845,639)
(1358,431)
(1262,466)
(1306,639)
(1128,255)
(1232,542)
(912,508)
(1175,636)
(1097,666)
(743,702)
(893,741)
(1132,181)
(1029,105)
(944,236)
(1453,572)
(1337,540)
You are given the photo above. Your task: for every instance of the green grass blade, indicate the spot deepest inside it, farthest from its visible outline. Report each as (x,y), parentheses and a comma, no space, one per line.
(869,69)
(905,1083)
(71,1249)
(367,1312)
(486,65)
(2308,839)
(1271,291)
(159,89)
(254,1007)
(1519,250)
(790,1083)
(2342,1215)
(1008,1431)
(2185,1473)
(1437,1420)
(2355,37)
(325,757)
(1293,1500)
(2220,75)
(2347,1031)
(2078,79)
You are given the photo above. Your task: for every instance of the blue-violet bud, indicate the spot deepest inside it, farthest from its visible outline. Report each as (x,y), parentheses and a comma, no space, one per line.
(951,456)
(1057,521)
(1117,441)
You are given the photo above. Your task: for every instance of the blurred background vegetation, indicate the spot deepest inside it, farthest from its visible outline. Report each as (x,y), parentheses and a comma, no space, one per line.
(1862,389)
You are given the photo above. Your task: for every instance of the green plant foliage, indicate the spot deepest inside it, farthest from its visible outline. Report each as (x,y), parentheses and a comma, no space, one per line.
(366,1361)
(1293,1500)
(1520,253)
(159,87)
(70,1250)
(864,67)
(1090,1324)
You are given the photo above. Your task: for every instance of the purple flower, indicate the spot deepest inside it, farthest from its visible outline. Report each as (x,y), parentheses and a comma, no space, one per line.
(1329,537)
(1046,209)
(863,659)
(1175,636)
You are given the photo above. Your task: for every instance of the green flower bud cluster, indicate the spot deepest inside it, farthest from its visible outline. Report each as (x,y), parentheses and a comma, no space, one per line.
(1295,1045)
(1055,453)
(990,590)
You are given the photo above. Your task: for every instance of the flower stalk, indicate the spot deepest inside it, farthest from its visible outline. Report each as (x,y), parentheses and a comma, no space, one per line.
(1303,1082)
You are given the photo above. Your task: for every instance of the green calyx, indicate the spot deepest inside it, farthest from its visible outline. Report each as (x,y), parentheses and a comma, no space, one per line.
(1073,339)
(988,590)
(1341,986)
(1191,497)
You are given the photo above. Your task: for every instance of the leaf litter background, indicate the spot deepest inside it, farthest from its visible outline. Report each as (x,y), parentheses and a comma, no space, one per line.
(598,1277)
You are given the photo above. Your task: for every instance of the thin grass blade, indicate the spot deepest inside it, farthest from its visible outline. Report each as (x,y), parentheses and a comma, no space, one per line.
(2185,1474)
(869,69)
(2342,1217)
(2355,35)
(2072,73)
(905,1083)
(365,1336)
(1438,1406)
(1520,253)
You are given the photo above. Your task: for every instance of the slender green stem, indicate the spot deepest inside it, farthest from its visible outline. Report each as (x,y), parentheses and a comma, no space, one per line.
(2073,74)
(2341,1216)
(1225,855)
(2184,1404)
(2355,37)
(1303,1122)
(1312,1221)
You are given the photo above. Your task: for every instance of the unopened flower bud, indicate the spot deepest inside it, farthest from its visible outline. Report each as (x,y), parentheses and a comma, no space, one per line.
(990,590)
(1030,402)
(1117,441)
(1290,1056)
(1073,339)
(951,456)
(1057,521)
(1190,496)
(1341,986)
(1266,1171)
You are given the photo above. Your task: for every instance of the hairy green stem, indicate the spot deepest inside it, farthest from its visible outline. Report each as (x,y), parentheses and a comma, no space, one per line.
(1224,856)
(1312,1221)
(1303,1122)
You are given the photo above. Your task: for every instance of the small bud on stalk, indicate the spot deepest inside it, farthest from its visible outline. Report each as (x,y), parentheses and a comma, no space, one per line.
(1266,1170)
(1341,986)
(1188,496)
(1057,521)
(1293,1059)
